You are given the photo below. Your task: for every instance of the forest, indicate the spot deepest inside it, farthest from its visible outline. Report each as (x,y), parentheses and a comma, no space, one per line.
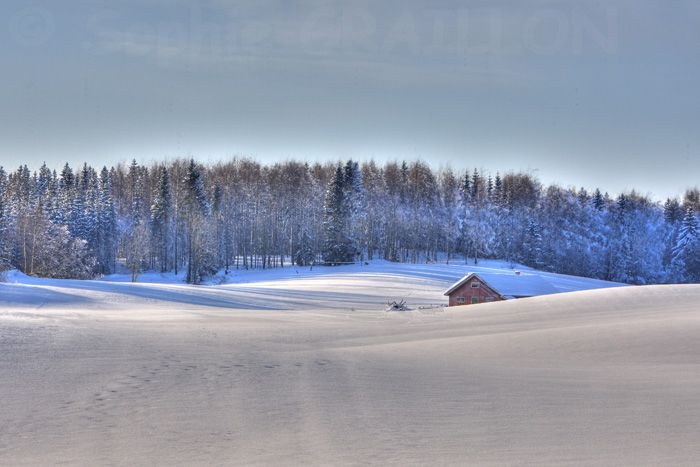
(185,217)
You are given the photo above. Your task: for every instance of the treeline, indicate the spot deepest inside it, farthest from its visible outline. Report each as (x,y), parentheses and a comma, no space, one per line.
(182,216)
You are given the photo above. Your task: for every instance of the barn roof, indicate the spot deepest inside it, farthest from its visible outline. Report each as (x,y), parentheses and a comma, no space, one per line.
(510,284)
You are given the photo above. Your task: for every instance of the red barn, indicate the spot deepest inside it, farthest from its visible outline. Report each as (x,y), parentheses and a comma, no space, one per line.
(490,287)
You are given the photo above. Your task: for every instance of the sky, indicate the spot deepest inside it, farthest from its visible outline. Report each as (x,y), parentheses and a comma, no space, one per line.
(580,93)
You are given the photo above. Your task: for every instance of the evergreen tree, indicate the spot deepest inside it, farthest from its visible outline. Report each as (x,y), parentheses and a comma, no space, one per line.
(688,232)
(449,212)
(477,220)
(304,256)
(5,251)
(673,212)
(134,222)
(197,210)
(466,188)
(477,187)
(338,247)
(598,200)
(691,199)
(137,193)
(161,214)
(66,194)
(106,225)
(685,260)
(355,207)
(84,218)
(532,247)
(497,190)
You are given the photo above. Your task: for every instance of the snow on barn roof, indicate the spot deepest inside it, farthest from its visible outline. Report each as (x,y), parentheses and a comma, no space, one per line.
(510,284)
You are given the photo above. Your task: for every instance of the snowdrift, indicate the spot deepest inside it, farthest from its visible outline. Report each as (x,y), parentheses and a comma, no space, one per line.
(162,374)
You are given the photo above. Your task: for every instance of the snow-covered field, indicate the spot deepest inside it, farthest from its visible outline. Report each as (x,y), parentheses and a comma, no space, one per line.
(291,366)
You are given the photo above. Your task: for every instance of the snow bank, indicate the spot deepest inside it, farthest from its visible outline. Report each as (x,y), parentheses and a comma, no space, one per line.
(600,377)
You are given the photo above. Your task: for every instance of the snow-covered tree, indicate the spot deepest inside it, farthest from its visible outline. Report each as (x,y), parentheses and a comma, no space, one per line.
(449,212)
(685,259)
(252,215)
(66,256)
(161,219)
(197,211)
(354,199)
(532,245)
(338,246)
(106,225)
(476,219)
(5,228)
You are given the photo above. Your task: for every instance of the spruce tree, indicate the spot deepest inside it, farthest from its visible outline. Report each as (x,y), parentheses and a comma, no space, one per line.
(107,225)
(685,259)
(338,247)
(497,190)
(355,208)
(161,213)
(598,200)
(5,261)
(197,209)
(672,211)
(532,246)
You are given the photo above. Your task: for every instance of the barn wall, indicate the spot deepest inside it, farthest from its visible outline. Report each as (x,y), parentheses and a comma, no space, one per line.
(483,293)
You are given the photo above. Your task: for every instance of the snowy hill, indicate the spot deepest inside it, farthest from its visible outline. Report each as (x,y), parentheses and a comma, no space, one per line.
(356,287)
(109,373)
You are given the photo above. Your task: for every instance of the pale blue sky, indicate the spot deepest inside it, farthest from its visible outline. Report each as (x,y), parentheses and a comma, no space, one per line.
(586,93)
